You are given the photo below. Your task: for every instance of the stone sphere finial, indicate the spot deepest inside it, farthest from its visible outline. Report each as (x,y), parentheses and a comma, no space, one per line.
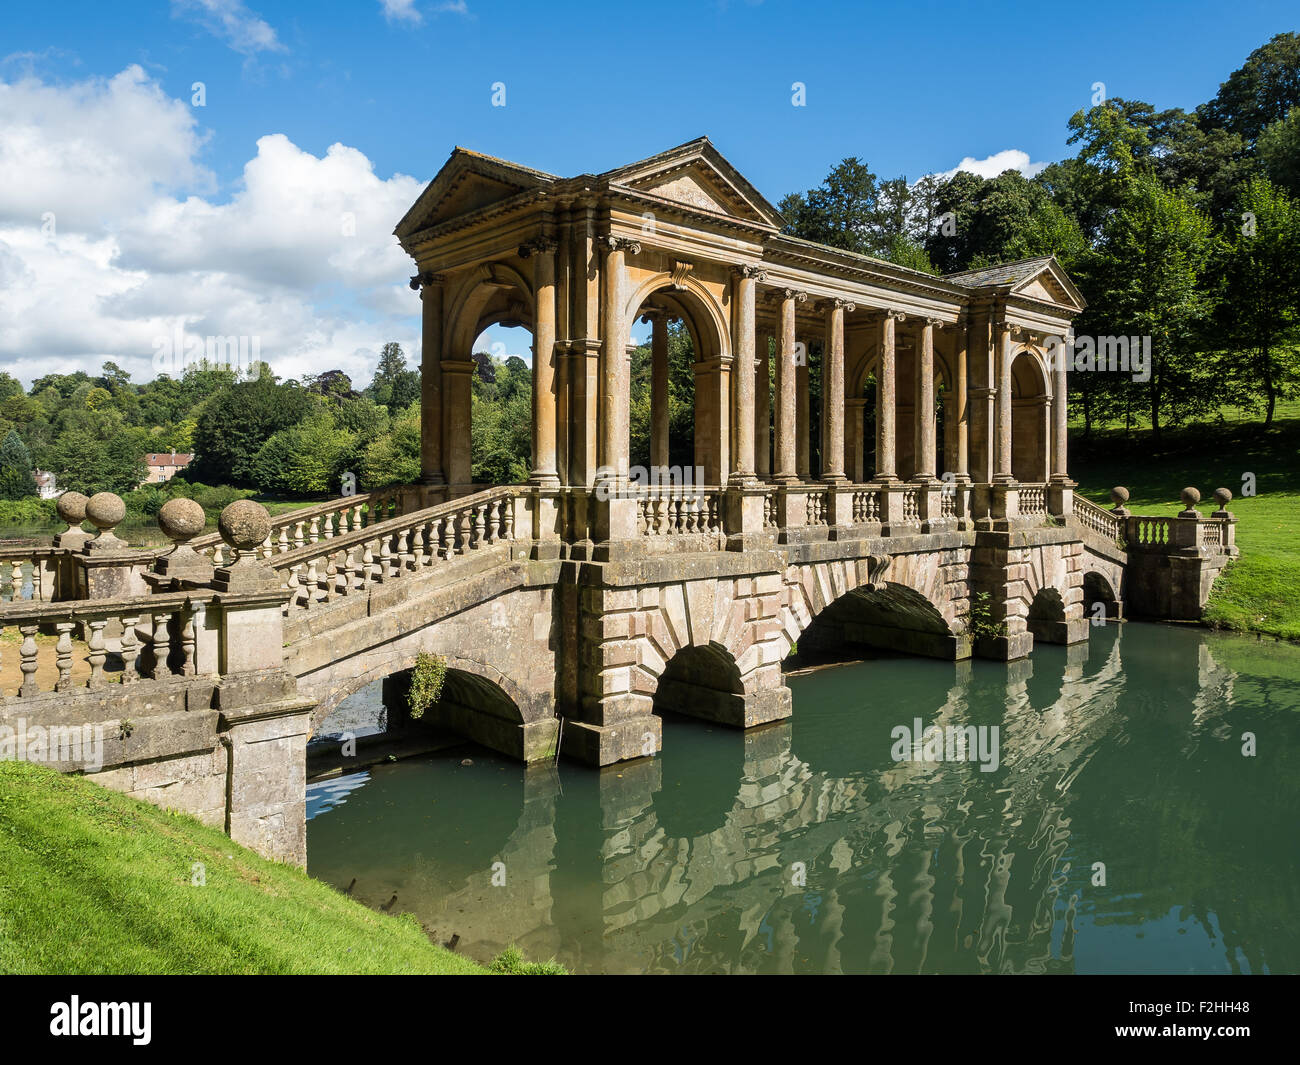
(1119,495)
(1190,497)
(1223,497)
(71,508)
(181,520)
(105,510)
(244,525)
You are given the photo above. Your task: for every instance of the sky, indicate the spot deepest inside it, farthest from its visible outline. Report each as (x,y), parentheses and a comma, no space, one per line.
(182,169)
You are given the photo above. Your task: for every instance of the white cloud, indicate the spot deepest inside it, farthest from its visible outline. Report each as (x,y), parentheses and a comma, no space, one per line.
(299,254)
(245,31)
(993,165)
(401,11)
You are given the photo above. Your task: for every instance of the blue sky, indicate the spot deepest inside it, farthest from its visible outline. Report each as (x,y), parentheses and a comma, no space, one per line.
(393,85)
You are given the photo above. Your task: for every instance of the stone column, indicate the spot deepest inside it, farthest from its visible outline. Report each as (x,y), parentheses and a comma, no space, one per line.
(1060,416)
(833,392)
(456,419)
(615,384)
(658,319)
(431,413)
(961,406)
(1002,473)
(923,435)
(744,285)
(786,470)
(886,398)
(542,251)
(803,442)
(763,410)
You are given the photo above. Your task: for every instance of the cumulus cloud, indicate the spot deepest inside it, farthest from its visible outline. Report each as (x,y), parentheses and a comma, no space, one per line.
(993,165)
(401,11)
(245,31)
(114,235)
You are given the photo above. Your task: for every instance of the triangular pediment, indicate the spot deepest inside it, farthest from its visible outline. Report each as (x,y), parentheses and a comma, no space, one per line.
(696,176)
(466,183)
(1051,284)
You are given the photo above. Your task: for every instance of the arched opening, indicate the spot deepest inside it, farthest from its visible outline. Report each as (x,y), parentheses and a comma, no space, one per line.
(680,387)
(501,405)
(1097,589)
(1046,618)
(662,400)
(484,379)
(893,618)
(1029,420)
(701,682)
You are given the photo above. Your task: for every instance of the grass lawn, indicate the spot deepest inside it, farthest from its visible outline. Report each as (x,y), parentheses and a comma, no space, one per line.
(95,882)
(1260,592)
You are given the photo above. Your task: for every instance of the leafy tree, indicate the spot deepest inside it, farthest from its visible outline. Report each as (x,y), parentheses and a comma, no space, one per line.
(1262,299)
(1279,150)
(233,427)
(306,458)
(1155,252)
(1260,92)
(393,457)
(16,480)
(394,386)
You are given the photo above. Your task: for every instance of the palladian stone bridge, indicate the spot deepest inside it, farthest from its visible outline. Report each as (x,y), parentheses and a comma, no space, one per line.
(574,608)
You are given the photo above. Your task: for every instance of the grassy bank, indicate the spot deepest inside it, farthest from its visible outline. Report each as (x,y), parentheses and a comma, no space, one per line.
(94,882)
(1260,592)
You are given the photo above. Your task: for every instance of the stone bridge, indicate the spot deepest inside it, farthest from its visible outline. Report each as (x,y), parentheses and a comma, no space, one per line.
(573,609)
(205,668)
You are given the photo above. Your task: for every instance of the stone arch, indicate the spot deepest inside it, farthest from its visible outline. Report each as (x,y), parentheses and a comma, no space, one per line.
(899,604)
(1099,587)
(483,299)
(701,680)
(700,310)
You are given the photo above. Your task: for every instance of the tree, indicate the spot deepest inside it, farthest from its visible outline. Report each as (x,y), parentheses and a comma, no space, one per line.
(1260,92)
(306,458)
(1262,296)
(394,386)
(1279,151)
(235,424)
(1154,253)
(16,480)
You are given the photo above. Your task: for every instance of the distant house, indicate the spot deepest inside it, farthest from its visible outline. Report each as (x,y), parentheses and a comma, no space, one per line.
(45,486)
(164,466)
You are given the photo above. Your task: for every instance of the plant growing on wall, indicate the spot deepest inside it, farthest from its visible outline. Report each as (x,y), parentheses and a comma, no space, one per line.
(979,620)
(426,682)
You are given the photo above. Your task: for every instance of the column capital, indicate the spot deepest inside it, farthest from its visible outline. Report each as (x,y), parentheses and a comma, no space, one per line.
(537,245)
(794,294)
(879,314)
(612,243)
(425,280)
(750,272)
(935,323)
(835,304)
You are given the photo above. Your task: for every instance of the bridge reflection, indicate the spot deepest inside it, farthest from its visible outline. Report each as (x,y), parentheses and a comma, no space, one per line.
(802,846)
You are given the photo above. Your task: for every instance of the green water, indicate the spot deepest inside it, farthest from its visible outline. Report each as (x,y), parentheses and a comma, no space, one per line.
(805,847)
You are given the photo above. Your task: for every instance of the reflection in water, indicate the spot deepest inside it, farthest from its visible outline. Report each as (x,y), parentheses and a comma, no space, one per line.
(802,847)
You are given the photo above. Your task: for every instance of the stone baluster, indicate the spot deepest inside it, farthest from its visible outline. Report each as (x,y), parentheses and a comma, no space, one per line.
(97,654)
(189,644)
(27,654)
(63,652)
(160,645)
(464,528)
(130,649)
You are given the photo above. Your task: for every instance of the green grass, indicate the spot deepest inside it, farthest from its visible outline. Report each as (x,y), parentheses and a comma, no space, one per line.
(1260,592)
(95,882)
